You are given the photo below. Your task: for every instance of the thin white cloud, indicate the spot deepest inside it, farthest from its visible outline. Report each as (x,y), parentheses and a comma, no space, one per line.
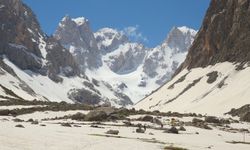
(133,33)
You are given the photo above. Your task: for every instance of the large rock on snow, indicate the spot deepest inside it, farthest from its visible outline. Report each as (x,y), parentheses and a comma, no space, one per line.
(96,115)
(114,132)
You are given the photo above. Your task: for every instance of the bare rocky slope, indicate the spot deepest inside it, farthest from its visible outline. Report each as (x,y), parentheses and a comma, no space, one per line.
(224,35)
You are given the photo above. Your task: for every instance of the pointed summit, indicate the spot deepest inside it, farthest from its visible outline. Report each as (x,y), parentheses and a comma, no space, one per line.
(81,21)
(180,38)
(76,35)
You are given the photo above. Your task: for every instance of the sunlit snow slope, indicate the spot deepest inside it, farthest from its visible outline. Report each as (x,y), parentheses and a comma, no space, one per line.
(195,91)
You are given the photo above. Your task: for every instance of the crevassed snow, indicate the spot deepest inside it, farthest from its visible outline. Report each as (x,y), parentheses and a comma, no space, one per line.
(203,97)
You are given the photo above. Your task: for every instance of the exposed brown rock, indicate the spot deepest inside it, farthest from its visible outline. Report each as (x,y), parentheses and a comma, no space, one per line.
(223,36)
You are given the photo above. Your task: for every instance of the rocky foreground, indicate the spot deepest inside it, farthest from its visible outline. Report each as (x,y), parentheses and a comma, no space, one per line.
(46,125)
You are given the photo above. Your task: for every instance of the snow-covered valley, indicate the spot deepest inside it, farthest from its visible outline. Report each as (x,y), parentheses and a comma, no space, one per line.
(51,134)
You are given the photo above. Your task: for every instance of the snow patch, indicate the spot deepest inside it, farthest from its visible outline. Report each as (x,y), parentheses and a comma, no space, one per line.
(80,20)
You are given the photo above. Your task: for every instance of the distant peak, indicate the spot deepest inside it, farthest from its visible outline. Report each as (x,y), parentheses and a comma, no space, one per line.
(80,20)
(186,29)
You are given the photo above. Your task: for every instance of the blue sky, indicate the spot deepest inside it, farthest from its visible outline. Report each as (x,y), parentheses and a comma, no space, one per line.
(148,20)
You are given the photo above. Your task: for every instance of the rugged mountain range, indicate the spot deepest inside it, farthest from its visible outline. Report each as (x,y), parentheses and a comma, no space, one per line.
(79,65)
(124,64)
(214,78)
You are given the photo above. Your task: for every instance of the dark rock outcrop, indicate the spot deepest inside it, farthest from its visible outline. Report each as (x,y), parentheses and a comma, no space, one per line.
(19,126)
(114,132)
(84,96)
(173,130)
(147,118)
(25,44)
(96,116)
(224,35)
(19,29)
(242,112)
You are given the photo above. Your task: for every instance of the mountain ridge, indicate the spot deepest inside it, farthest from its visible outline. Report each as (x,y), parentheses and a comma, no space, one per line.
(152,66)
(78,65)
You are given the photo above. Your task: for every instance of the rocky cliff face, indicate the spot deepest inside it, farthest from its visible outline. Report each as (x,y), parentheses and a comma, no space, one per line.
(76,35)
(23,42)
(17,36)
(224,35)
(162,61)
(109,39)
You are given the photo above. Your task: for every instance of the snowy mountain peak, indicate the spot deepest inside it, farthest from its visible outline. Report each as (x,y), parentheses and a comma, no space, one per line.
(109,39)
(180,38)
(76,35)
(80,21)
(185,30)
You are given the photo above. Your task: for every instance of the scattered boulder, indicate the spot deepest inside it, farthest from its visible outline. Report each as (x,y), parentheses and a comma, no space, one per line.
(116,117)
(30,120)
(78,116)
(225,121)
(140,130)
(66,124)
(127,123)
(78,126)
(212,76)
(43,125)
(157,121)
(96,126)
(182,128)
(107,110)
(173,130)
(4,112)
(196,120)
(18,120)
(212,119)
(35,122)
(123,112)
(245,117)
(19,126)
(96,115)
(114,132)
(147,118)
(200,124)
